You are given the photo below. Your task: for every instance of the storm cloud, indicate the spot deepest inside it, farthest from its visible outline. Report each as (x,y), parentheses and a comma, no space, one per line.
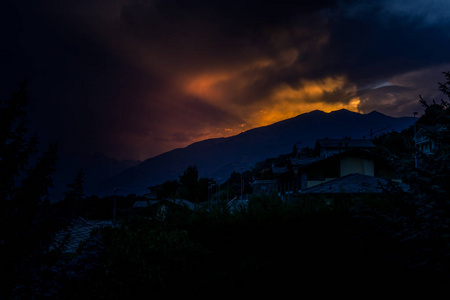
(133,79)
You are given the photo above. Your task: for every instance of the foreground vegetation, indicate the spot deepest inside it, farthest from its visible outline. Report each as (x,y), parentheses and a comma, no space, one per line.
(270,247)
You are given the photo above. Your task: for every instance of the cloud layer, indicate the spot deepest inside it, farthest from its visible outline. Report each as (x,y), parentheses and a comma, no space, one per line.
(135,78)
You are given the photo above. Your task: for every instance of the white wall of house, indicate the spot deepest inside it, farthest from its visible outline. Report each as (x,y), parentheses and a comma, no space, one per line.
(351,165)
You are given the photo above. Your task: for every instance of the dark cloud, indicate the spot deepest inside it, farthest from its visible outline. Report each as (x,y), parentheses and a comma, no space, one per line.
(400,95)
(133,79)
(374,40)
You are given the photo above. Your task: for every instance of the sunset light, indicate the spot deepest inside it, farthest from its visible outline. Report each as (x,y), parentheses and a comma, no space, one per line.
(195,149)
(183,74)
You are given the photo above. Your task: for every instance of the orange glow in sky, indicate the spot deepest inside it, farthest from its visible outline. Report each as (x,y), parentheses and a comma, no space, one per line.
(207,86)
(288,102)
(283,102)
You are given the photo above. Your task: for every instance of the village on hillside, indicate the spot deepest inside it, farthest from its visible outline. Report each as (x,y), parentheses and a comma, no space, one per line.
(335,166)
(342,168)
(377,208)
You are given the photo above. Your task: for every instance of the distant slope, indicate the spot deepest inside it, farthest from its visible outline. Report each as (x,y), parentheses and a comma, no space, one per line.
(219,157)
(96,168)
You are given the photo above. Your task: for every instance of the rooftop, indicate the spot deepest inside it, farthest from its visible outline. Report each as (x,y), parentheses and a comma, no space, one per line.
(351,143)
(78,232)
(353,183)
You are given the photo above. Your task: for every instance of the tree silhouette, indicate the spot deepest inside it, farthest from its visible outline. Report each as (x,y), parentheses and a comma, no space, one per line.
(437,113)
(189,184)
(75,194)
(26,220)
(15,148)
(190,176)
(76,189)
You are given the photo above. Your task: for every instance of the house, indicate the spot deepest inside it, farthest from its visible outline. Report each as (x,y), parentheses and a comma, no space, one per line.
(79,231)
(342,164)
(429,138)
(424,142)
(328,147)
(264,187)
(334,159)
(278,170)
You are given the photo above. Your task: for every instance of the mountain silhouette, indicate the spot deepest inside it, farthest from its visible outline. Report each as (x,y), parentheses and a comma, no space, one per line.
(218,157)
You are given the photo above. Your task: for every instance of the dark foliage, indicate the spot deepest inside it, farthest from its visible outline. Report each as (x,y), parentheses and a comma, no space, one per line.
(270,248)
(166,190)
(395,144)
(76,188)
(27,220)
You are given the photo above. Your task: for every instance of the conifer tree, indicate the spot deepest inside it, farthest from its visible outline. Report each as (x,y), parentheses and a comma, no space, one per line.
(75,194)
(189,184)
(76,188)
(25,218)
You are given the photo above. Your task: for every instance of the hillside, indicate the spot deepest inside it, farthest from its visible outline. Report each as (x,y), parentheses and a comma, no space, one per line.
(96,167)
(217,158)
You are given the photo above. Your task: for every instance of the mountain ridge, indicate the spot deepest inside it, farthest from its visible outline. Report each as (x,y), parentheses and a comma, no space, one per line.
(218,157)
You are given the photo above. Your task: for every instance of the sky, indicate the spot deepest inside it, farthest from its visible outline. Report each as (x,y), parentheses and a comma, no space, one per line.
(136,78)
